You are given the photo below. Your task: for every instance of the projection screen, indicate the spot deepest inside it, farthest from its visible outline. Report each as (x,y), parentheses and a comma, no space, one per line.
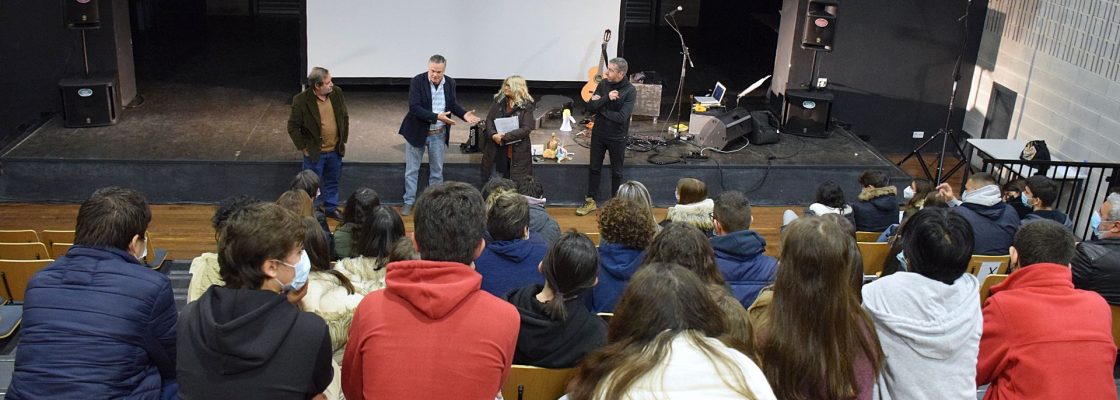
(542,40)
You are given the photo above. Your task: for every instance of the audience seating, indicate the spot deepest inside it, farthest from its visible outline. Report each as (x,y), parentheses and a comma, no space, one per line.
(18,272)
(978,261)
(874,256)
(536,383)
(986,286)
(24,251)
(11,315)
(155,257)
(1115,324)
(59,249)
(18,236)
(50,237)
(868,236)
(594,236)
(606,316)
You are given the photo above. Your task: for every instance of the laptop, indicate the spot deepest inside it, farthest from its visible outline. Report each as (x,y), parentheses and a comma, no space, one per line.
(715,98)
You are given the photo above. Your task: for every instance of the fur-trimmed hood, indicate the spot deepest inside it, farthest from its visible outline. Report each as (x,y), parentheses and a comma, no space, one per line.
(697,214)
(868,194)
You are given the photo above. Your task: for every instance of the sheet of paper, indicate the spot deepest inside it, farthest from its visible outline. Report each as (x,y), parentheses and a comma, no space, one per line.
(507,124)
(987,268)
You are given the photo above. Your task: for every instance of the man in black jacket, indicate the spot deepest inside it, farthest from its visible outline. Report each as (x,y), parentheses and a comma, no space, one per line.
(612,103)
(1096,264)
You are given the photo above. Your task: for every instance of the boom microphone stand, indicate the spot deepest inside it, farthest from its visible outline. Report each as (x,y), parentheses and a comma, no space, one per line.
(686,61)
(946,133)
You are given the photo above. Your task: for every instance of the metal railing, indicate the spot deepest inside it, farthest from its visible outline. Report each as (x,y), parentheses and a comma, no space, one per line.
(1083,186)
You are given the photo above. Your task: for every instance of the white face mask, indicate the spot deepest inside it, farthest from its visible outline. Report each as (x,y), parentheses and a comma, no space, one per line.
(908,193)
(303,269)
(143,250)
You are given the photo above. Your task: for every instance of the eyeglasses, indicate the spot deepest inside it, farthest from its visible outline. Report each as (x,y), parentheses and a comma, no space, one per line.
(712,215)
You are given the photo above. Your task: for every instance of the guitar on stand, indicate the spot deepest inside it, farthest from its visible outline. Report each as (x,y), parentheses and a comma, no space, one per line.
(595,74)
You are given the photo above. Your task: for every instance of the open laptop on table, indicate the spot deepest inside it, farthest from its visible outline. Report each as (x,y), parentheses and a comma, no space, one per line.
(716,98)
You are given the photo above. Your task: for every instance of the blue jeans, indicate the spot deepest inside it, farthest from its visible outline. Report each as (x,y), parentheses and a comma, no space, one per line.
(413,156)
(329,169)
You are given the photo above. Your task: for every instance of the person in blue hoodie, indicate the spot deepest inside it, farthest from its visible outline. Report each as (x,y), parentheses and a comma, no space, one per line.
(739,250)
(626,228)
(1040,194)
(877,207)
(993,222)
(511,257)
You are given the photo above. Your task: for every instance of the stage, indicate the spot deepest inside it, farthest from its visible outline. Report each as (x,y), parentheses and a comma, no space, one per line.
(196,144)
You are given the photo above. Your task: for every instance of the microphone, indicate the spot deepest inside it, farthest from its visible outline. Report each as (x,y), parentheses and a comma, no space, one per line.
(674,11)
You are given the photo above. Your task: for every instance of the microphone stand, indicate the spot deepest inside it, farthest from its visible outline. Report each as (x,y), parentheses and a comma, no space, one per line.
(686,61)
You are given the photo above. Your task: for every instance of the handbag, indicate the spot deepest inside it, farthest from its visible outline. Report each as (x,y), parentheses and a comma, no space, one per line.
(471,145)
(1036,150)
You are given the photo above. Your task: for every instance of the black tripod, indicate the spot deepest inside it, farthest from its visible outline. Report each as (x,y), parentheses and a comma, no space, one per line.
(946,133)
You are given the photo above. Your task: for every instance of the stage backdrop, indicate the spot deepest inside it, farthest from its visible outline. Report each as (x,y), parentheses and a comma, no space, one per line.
(482,39)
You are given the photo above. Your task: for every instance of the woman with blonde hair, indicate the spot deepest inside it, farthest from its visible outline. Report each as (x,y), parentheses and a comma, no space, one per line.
(635,191)
(509,152)
(662,343)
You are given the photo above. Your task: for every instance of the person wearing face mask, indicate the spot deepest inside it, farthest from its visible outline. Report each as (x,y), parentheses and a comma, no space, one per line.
(1013,196)
(1040,194)
(83,329)
(249,339)
(1096,263)
(993,222)
(915,196)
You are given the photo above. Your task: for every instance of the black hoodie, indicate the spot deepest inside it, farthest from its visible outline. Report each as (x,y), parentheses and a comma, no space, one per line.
(547,343)
(251,344)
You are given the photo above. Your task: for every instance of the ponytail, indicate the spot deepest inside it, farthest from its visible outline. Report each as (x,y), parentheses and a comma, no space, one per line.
(570,267)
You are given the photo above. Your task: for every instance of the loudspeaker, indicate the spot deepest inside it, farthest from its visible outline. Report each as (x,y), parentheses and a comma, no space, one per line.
(819,28)
(765,128)
(807,112)
(89,102)
(717,129)
(82,14)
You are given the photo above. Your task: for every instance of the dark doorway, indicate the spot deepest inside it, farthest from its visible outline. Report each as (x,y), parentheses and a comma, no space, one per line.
(1000,109)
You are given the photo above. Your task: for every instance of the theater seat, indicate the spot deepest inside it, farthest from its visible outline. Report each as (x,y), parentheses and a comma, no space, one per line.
(536,383)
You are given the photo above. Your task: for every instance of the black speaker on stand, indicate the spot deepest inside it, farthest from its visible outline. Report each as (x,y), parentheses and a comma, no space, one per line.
(82,14)
(807,112)
(87,101)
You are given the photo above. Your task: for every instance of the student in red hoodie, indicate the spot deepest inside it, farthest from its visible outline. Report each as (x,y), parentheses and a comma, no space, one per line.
(1042,338)
(432,333)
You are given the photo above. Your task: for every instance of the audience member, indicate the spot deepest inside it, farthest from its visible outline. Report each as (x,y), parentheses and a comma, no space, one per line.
(1013,196)
(662,344)
(248,338)
(1042,338)
(855,259)
(308,181)
(331,296)
(404,249)
(510,259)
(496,185)
(993,222)
(877,207)
(635,191)
(915,196)
(205,271)
(297,202)
(813,339)
(1040,195)
(625,232)
(541,225)
(739,250)
(1096,264)
(432,333)
(355,217)
(830,200)
(373,242)
(693,205)
(98,322)
(928,314)
(557,330)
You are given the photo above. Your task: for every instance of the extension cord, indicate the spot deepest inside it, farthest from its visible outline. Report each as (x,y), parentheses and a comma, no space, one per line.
(693,155)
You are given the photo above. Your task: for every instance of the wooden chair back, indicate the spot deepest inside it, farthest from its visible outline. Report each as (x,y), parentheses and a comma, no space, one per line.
(986,286)
(536,383)
(594,236)
(874,256)
(18,236)
(19,272)
(982,266)
(24,251)
(59,249)
(862,236)
(1115,324)
(50,237)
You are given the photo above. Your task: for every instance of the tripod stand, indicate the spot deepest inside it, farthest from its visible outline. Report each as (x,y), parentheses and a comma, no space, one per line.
(686,61)
(946,133)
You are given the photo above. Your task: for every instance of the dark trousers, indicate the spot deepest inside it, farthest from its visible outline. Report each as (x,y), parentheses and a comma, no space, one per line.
(616,147)
(329,169)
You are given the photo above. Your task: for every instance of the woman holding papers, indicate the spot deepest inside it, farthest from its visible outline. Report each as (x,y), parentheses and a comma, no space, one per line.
(505,141)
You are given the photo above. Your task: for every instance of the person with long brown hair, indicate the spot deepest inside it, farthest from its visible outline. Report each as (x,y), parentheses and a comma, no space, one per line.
(372,243)
(814,341)
(331,296)
(693,205)
(661,344)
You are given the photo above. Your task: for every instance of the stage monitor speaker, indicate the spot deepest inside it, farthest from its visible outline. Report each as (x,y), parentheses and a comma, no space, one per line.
(82,14)
(819,28)
(716,129)
(89,102)
(807,112)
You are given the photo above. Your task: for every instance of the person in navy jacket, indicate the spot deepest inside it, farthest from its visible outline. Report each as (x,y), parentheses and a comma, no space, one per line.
(739,250)
(98,322)
(431,102)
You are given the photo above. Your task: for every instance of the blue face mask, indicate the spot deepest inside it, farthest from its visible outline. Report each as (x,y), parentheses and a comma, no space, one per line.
(303,269)
(1095,223)
(901,256)
(1024,199)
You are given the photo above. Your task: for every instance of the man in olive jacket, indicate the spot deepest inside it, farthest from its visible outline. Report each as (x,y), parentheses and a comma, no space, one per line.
(318,126)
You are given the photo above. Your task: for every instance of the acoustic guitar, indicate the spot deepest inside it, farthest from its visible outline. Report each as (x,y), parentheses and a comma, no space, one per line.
(593,74)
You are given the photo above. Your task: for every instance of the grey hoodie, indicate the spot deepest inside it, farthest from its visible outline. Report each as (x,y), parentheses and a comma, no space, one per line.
(930,333)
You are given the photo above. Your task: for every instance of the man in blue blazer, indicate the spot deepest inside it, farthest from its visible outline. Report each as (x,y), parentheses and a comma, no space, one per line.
(431,102)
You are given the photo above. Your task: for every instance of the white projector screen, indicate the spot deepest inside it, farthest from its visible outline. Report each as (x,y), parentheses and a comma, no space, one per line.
(541,40)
